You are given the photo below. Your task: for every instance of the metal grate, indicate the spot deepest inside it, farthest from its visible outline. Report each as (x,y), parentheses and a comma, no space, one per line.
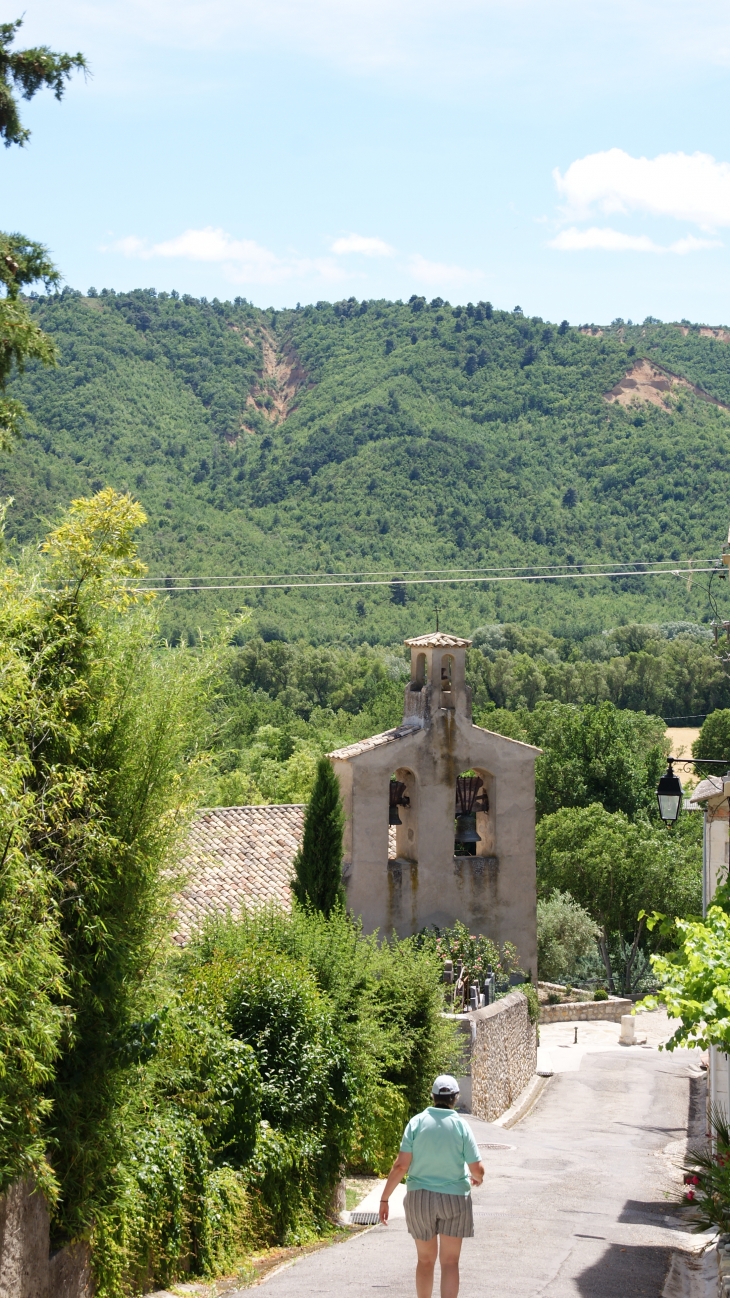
(493,1145)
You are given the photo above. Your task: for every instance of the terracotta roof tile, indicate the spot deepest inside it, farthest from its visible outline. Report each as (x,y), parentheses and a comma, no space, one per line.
(239,858)
(438,640)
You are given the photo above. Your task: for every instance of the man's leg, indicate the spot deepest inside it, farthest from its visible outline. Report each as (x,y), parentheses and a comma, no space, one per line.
(427,1254)
(449,1251)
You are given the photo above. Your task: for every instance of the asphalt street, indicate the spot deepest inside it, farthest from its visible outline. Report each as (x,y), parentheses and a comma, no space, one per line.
(580,1197)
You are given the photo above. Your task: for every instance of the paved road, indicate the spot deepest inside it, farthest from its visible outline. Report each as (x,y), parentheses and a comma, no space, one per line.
(581,1202)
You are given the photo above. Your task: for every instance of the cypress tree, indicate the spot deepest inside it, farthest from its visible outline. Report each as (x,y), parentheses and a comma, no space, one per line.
(318,863)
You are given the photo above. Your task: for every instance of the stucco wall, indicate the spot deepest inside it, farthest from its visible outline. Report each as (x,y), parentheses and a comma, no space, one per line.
(503,1054)
(493,893)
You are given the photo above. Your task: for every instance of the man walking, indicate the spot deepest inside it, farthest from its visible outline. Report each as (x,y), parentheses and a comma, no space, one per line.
(441,1157)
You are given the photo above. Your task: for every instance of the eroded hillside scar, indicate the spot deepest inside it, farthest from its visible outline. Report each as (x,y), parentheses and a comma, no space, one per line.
(282,378)
(652,384)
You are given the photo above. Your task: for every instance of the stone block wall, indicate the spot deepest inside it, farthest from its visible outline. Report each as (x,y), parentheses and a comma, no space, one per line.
(612,1009)
(503,1054)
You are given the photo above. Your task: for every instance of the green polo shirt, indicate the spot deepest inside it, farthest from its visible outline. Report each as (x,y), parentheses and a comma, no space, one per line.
(442,1144)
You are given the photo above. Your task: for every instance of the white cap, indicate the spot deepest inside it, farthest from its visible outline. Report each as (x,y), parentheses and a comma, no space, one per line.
(445,1085)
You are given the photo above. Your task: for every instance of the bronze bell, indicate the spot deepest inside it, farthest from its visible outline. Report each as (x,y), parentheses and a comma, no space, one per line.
(396,799)
(466,829)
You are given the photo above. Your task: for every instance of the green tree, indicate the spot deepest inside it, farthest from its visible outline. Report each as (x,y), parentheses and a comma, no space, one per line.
(565,932)
(713,741)
(596,754)
(318,863)
(615,869)
(25,72)
(22,262)
(100,734)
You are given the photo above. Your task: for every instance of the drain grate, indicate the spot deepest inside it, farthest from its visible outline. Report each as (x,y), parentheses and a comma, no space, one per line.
(495,1145)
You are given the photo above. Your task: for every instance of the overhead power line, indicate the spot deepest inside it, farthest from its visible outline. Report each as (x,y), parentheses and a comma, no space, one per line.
(427,581)
(425,572)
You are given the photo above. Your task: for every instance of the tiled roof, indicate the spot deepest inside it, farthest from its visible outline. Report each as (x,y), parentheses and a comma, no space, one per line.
(237,857)
(375,741)
(707,788)
(438,641)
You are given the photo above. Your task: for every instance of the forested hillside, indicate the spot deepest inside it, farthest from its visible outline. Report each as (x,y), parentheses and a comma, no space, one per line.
(378,436)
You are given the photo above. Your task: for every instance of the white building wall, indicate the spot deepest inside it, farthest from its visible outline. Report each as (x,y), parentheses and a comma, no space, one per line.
(715,862)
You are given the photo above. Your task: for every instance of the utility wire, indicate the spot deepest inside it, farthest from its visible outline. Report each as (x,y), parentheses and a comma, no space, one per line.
(425,581)
(416,572)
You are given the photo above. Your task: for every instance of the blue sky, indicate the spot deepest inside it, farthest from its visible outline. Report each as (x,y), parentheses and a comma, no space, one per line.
(571,157)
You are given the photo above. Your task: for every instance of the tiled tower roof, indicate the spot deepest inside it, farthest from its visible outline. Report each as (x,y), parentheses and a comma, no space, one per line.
(438,640)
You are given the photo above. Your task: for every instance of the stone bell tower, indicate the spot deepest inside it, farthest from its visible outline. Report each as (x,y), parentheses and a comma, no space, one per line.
(438,682)
(440,813)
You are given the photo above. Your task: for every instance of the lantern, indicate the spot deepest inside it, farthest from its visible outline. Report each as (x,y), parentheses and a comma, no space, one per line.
(669,795)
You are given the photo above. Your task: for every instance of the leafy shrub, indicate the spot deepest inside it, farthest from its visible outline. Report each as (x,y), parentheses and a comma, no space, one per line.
(385,999)
(272,1003)
(533,1003)
(600,994)
(707,1176)
(565,932)
(477,954)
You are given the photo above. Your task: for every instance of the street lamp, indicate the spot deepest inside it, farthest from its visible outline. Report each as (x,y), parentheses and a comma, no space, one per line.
(669,791)
(669,794)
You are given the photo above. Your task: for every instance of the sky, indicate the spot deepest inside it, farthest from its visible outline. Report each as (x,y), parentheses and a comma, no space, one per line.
(569,157)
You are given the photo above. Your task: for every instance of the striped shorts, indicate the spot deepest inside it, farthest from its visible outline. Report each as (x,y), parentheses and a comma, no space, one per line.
(429,1214)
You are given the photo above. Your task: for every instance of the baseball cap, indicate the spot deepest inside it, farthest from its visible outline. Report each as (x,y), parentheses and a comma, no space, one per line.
(445,1084)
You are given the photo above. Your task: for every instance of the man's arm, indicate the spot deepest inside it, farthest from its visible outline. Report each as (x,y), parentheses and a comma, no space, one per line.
(476,1172)
(397,1172)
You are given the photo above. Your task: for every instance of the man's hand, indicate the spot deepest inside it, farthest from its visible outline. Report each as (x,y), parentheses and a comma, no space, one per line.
(383,1212)
(476,1173)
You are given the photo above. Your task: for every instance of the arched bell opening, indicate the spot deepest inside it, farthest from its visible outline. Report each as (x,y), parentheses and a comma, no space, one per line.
(403,813)
(420,673)
(473,824)
(447,681)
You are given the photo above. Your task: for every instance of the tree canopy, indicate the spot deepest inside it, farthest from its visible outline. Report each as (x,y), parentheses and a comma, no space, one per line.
(23,73)
(616,869)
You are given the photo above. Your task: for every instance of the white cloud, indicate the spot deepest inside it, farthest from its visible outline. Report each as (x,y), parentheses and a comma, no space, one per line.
(245,260)
(691,244)
(689,187)
(369,247)
(437,273)
(604,239)
(574,240)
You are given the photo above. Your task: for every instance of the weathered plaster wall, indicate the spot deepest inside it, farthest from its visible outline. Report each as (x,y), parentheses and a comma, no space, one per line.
(493,893)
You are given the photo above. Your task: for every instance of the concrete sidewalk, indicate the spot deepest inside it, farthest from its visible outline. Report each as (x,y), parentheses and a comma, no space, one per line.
(579,1197)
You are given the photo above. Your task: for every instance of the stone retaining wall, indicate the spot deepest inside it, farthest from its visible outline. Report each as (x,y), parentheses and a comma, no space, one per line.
(500,1055)
(612,1009)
